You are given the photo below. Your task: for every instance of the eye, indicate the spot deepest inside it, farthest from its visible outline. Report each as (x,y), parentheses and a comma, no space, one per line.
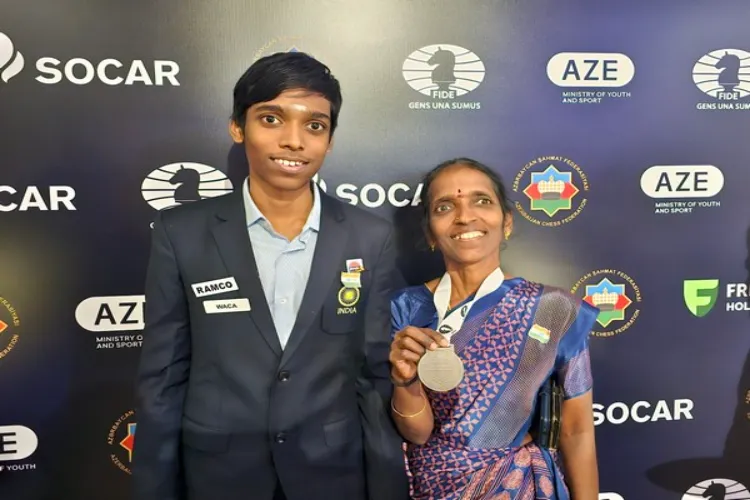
(484,201)
(270,119)
(317,126)
(443,207)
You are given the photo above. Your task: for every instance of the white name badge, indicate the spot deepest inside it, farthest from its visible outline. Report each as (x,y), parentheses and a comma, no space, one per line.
(226,306)
(213,287)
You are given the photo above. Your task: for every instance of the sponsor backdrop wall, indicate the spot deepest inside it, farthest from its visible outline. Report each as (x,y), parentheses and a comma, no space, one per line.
(621,130)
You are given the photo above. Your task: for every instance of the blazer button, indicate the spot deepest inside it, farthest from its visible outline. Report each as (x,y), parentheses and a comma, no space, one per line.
(284,376)
(280,438)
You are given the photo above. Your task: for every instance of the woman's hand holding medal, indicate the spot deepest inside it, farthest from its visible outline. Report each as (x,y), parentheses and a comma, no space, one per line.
(407,349)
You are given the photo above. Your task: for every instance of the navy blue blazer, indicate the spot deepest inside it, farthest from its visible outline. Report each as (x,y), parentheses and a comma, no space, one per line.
(223,412)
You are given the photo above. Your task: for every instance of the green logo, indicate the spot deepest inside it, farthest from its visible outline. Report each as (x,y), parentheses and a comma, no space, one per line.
(700,295)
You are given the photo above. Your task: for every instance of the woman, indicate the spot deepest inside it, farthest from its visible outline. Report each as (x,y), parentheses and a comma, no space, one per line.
(511,335)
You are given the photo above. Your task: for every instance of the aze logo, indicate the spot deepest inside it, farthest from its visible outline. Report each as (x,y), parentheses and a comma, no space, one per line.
(582,71)
(700,295)
(17,442)
(590,69)
(682,181)
(120,313)
(111,314)
(691,183)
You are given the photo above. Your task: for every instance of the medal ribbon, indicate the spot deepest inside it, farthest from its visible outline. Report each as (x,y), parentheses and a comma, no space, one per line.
(448,325)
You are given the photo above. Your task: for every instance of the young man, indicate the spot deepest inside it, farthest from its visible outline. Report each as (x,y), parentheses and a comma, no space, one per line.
(264,372)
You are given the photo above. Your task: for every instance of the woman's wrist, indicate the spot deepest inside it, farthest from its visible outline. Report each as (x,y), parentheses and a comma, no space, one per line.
(399,382)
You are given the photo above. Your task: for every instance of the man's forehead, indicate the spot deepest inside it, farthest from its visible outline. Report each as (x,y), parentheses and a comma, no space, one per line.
(303,103)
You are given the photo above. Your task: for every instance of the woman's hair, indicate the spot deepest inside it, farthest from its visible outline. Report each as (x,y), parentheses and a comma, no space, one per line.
(497,184)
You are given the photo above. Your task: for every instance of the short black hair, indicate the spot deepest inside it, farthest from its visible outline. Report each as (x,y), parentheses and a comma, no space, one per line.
(271,75)
(497,184)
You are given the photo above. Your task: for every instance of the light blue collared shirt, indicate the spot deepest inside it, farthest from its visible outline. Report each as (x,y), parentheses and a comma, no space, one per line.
(283,265)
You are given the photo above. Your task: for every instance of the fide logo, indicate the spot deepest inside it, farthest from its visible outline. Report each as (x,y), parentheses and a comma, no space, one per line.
(11,61)
(443,72)
(179,183)
(717,489)
(724,75)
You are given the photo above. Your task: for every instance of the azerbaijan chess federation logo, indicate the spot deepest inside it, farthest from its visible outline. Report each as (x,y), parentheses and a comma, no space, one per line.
(700,296)
(9,327)
(121,440)
(550,191)
(616,296)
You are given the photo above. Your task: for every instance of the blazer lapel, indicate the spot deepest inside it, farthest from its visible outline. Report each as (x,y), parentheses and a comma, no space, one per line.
(325,269)
(233,240)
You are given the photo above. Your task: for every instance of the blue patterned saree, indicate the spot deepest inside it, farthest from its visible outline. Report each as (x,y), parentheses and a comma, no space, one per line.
(513,339)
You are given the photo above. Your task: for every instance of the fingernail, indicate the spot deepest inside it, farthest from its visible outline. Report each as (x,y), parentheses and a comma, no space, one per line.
(433,346)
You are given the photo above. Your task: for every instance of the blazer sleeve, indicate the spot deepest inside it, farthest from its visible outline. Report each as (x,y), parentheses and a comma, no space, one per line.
(162,375)
(377,321)
(384,459)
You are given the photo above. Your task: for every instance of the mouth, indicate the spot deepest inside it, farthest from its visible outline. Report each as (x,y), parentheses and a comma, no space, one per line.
(290,164)
(468,235)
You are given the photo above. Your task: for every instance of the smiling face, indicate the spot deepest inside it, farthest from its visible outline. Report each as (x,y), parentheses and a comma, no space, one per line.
(467,221)
(286,139)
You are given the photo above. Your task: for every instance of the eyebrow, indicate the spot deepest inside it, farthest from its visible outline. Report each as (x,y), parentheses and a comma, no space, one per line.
(470,193)
(275,108)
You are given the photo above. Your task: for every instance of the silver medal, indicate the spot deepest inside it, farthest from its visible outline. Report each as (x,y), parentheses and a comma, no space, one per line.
(441,370)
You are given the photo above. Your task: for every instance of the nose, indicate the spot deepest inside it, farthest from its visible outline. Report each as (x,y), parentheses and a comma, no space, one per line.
(464,214)
(291,138)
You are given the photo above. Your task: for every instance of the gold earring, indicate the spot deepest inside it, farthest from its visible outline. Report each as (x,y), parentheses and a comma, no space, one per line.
(432,248)
(507,234)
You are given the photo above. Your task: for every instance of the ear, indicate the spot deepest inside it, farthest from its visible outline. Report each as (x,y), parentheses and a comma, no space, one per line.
(236,132)
(428,237)
(330,145)
(508,224)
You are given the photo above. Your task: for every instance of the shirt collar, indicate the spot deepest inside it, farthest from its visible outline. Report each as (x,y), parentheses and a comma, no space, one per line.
(253,214)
